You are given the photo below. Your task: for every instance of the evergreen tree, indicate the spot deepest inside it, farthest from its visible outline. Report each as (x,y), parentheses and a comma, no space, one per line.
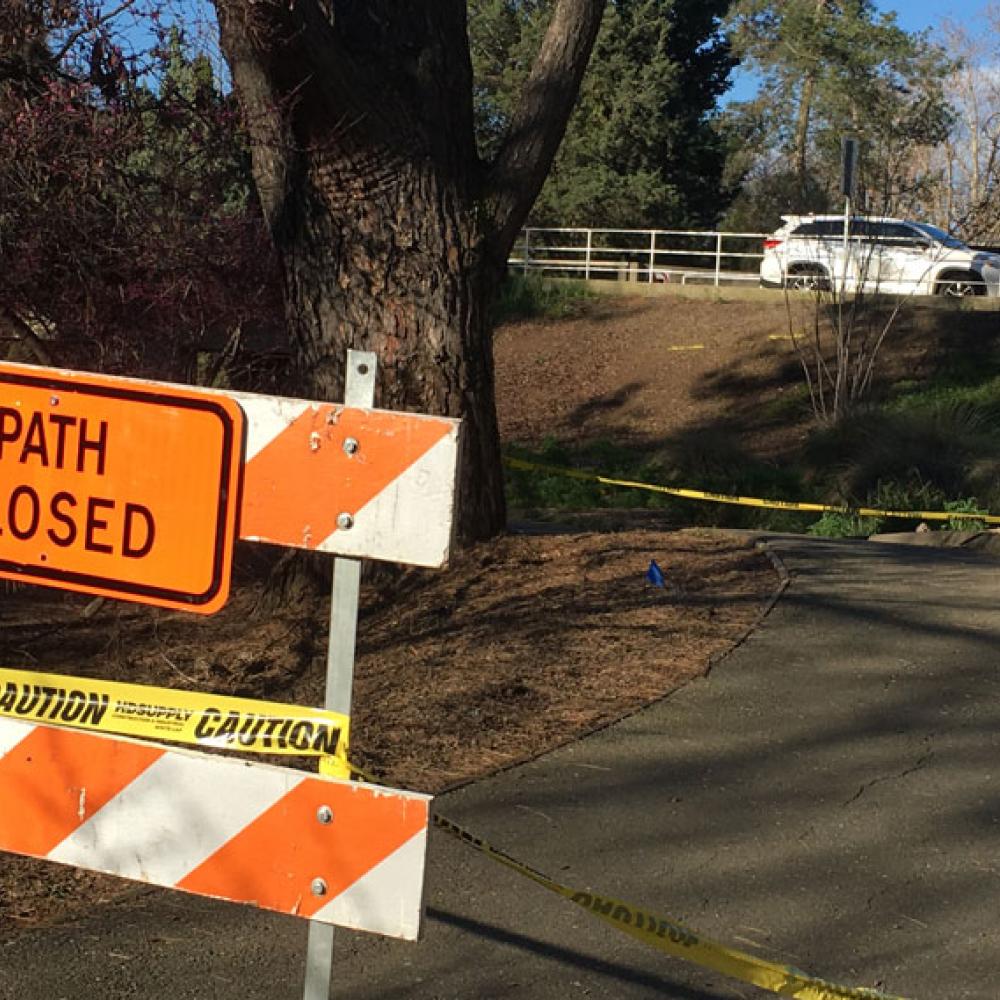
(827,68)
(642,148)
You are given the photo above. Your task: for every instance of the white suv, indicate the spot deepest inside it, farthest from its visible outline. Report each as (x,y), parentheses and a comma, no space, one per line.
(883,255)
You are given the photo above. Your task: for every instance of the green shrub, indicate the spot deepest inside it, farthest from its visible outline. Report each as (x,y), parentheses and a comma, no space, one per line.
(711,461)
(965,519)
(895,496)
(835,524)
(935,447)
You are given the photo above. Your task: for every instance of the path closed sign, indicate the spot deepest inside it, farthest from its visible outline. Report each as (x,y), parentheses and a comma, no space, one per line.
(117,487)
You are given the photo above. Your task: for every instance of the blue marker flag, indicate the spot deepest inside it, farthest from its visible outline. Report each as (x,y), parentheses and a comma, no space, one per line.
(655,575)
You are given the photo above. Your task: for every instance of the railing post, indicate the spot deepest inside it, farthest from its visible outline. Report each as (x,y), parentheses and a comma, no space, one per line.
(652,253)
(718,257)
(527,251)
(586,266)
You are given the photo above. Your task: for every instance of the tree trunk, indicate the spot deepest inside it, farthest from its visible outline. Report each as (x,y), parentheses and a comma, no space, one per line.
(401,273)
(802,136)
(392,234)
(802,123)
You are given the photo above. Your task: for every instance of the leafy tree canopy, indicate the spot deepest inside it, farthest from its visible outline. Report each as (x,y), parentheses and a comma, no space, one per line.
(128,236)
(830,68)
(641,148)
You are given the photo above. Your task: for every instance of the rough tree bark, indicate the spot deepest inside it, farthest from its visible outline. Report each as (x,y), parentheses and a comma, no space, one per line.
(802,119)
(392,233)
(801,146)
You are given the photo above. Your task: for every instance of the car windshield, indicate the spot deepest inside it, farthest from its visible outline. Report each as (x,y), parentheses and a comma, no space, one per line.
(940,236)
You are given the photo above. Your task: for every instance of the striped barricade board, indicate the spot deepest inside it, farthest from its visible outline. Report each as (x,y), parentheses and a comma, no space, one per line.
(333,851)
(354,482)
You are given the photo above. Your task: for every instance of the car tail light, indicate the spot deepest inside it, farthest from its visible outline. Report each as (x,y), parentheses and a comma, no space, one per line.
(772,243)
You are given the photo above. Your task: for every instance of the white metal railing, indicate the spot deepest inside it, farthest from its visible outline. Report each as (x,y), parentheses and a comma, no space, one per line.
(650,255)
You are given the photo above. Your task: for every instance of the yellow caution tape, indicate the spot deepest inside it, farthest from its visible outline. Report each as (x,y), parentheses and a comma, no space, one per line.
(819,508)
(673,938)
(189,717)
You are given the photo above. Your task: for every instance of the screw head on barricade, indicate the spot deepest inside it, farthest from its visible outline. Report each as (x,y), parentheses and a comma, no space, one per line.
(318,887)
(345,521)
(351,446)
(324,814)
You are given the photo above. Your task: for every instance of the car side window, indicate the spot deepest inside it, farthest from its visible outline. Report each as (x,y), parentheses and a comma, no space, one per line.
(897,236)
(917,238)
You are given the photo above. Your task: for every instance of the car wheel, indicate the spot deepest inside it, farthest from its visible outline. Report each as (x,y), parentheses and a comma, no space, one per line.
(807,280)
(960,285)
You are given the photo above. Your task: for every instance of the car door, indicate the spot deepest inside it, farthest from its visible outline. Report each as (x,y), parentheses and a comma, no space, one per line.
(842,267)
(868,248)
(898,257)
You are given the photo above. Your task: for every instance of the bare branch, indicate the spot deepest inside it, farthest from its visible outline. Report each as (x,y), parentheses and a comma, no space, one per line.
(27,336)
(87,28)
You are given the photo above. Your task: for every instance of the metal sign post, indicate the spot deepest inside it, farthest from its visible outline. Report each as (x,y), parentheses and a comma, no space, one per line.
(359,391)
(848,175)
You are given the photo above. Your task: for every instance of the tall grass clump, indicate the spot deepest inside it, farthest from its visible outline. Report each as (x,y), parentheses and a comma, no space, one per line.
(939,446)
(531,296)
(941,455)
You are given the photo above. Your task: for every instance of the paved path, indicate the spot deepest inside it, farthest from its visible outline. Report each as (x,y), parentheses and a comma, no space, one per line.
(828,797)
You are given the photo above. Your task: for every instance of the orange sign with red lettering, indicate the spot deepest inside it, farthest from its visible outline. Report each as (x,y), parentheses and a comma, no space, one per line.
(117,487)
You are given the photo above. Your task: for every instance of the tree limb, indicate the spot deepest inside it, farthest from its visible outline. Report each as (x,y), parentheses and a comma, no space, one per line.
(91,25)
(249,44)
(541,117)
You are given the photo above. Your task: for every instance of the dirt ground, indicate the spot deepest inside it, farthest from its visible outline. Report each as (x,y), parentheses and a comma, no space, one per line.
(655,371)
(521,644)
(639,369)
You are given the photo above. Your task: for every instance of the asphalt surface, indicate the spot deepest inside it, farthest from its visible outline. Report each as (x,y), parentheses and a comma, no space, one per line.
(828,797)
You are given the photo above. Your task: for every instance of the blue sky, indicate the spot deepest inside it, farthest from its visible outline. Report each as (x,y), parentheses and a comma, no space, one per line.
(913,15)
(916,14)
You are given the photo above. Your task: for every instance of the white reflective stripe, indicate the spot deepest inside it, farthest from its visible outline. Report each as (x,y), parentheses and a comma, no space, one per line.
(411,519)
(177,813)
(267,417)
(11,733)
(381,900)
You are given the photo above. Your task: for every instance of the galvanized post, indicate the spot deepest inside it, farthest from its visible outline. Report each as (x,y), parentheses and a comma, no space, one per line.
(359,390)
(718,257)
(586,266)
(526,262)
(652,254)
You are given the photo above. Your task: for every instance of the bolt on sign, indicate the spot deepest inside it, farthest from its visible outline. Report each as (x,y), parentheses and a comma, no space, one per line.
(118,487)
